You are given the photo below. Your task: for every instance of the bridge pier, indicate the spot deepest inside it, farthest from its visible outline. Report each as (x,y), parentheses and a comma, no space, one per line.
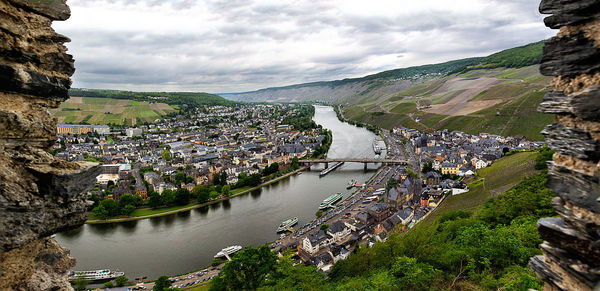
(365,166)
(326,165)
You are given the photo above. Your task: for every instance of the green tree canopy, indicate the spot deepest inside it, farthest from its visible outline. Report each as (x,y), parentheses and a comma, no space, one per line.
(247,270)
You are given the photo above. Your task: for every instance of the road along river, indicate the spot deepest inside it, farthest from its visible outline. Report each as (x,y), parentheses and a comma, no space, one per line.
(187,241)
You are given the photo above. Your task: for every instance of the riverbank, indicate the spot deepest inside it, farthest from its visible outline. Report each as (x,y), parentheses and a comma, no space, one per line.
(177,209)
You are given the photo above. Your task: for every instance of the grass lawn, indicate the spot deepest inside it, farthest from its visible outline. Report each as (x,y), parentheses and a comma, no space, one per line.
(491,182)
(200,287)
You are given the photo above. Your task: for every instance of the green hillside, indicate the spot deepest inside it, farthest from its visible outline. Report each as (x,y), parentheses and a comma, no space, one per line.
(501,101)
(173,98)
(517,57)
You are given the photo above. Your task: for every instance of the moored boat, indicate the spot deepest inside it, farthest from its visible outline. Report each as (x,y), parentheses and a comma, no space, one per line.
(288,223)
(329,201)
(95,275)
(351,184)
(228,251)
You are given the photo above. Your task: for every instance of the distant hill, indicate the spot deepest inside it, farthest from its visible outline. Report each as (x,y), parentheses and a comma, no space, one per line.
(517,57)
(388,82)
(497,94)
(171,98)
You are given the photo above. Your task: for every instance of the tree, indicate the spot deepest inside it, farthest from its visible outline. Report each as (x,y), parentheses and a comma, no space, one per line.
(128,209)
(166,155)
(182,196)
(121,281)
(544,156)
(126,199)
(107,208)
(180,178)
(96,200)
(290,277)
(427,167)
(247,270)
(167,197)
(202,193)
(413,275)
(319,213)
(109,284)
(324,226)
(295,164)
(154,200)
(254,180)
(226,190)
(391,183)
(101,212)
(162,283)
(80,284)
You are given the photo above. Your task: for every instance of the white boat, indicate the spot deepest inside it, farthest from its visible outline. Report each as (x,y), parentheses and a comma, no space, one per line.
(288,223)
(95,275)
(228,251)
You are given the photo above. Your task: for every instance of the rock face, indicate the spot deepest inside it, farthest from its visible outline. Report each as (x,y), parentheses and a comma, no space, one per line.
(571,247)
(39,195)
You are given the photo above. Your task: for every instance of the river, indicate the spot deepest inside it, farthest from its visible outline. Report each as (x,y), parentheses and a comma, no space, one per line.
(187,241)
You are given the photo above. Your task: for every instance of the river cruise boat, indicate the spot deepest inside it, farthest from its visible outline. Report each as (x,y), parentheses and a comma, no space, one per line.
(376,147)
(95,275)
(288,223)
(351,184)
(228,251)
(329,201)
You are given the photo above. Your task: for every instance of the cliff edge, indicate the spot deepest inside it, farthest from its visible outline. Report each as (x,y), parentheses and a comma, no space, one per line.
(571,247)
(39,195)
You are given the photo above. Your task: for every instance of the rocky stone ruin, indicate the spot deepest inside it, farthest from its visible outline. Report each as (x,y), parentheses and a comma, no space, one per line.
(39,195)
(571,247)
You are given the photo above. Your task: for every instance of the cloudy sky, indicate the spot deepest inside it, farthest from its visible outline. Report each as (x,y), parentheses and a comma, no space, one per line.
(236,45)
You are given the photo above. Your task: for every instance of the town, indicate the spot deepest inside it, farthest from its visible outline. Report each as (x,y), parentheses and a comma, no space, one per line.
(223,147)
(398,197)
(217,146)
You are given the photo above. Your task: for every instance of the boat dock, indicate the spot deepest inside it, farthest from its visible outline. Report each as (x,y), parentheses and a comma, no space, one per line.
(330,169)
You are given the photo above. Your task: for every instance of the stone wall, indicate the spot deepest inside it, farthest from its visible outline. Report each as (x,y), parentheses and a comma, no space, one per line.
(571,247)
(39,195)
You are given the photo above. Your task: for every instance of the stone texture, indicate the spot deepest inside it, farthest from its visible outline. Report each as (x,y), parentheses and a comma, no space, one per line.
(569,85)
(39,265)
(572,141)
(585,104)
(577,188)
(568,12)
(571,247)
(570,56)
(39,195)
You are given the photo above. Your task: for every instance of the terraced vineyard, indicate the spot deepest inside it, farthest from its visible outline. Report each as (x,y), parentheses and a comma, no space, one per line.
(107,110)
(501,101)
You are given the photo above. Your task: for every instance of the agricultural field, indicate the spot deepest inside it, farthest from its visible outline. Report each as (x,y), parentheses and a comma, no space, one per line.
(107,110)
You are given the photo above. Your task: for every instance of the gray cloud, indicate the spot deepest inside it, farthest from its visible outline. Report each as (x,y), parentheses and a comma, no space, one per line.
(229,46)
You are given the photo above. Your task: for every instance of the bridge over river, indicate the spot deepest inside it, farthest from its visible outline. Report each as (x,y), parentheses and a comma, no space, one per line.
(365,161)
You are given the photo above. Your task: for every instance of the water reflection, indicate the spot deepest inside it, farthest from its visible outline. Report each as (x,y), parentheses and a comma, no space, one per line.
(256,193)
(226,204)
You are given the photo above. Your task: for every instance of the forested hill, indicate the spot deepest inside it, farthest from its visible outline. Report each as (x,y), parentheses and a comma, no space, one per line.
(171,98)
(388,82)
(517,57)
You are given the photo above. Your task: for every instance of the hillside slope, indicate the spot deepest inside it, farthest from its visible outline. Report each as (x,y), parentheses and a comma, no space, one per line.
(500,101)
(387,82)
(497,94)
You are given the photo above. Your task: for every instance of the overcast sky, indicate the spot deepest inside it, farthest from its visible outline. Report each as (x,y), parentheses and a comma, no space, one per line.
(234,46)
